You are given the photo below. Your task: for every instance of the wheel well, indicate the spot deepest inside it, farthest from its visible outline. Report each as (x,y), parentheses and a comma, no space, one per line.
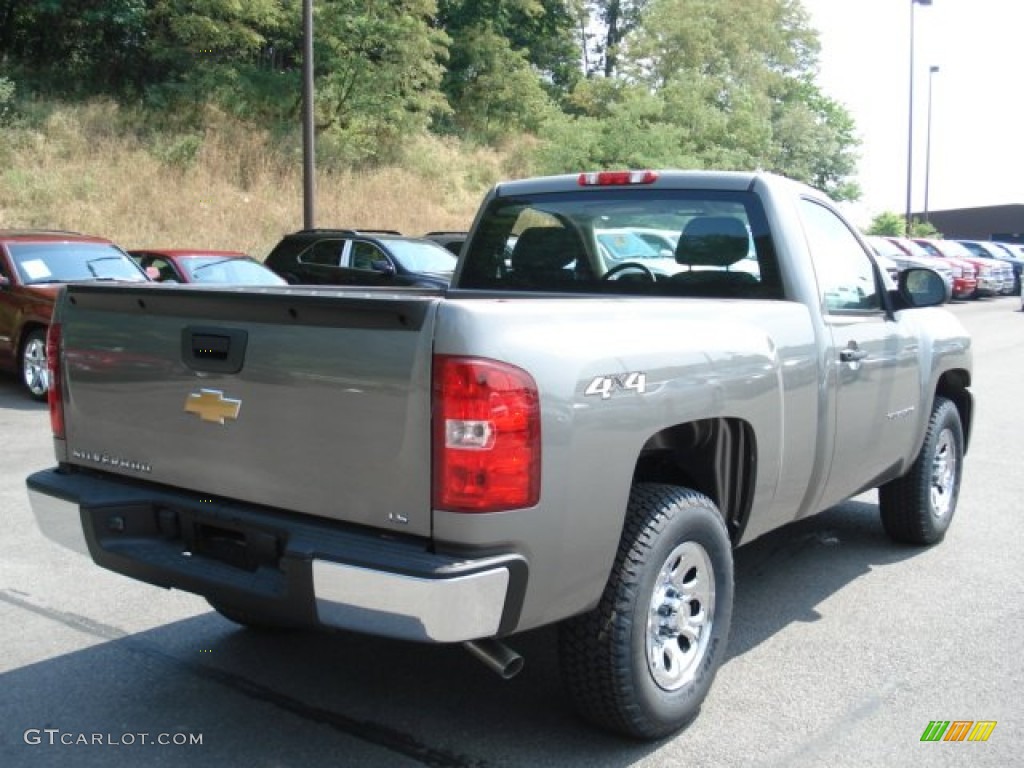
(953,385)
(717,457)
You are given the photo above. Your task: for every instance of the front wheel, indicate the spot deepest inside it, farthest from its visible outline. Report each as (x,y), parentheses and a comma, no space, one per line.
(35,376)
(918,507)
(642,662)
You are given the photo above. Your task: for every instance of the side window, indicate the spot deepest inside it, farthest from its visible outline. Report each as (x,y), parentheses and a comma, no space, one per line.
(846,277)
(364,254)
(326,252)
(165,269)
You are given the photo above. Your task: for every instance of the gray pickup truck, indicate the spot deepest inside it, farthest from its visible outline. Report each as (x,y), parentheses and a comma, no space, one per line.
(631,375)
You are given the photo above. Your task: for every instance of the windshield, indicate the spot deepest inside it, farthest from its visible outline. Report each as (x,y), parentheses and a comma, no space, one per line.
(916,250)
(218,269)
(422,256)
(39,263)
(886,247)
(954,250)
(622,244)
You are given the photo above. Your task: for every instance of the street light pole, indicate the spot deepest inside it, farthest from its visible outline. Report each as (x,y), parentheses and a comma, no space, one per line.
(910,118)
(928,142)
(308,149)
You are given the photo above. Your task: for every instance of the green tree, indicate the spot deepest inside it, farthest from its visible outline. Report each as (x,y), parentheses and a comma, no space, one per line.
(508,61)
(543,31)
(891,224)
(888,224)
(494,91)
(737,80)
(920,228)
(75,45)
(617,18)
(615,125)
(379,66)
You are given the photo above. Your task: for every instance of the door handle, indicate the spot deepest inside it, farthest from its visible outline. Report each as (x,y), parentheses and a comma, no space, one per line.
(852,354)
(213,350)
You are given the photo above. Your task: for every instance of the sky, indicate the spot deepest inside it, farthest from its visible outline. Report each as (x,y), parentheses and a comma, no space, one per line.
(977,114)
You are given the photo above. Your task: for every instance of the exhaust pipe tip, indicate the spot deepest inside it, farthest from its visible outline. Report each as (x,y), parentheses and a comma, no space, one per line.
(496,656)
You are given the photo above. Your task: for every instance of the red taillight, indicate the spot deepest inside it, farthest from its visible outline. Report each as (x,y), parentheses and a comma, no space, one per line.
(55,393)
(617,178)
(486,436)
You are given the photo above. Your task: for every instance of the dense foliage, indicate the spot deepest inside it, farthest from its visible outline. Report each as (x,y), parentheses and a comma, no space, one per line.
(592,83)
(892,224)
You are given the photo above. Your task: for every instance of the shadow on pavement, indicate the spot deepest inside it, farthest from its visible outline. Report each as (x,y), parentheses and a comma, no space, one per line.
(306,698)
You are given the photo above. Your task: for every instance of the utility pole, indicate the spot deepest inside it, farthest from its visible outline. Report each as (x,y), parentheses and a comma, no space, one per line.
(308,148)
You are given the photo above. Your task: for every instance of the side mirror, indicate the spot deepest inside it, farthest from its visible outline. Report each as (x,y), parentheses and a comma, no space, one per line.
(384,266)
(4,282)
(921,287)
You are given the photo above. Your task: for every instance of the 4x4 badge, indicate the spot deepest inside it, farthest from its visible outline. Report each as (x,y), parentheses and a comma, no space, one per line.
(211,405)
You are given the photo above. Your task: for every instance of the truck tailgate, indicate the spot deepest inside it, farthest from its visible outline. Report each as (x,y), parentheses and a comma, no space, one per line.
(313,401)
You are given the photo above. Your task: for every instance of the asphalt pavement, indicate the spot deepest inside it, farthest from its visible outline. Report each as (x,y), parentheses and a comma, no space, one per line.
(845,647)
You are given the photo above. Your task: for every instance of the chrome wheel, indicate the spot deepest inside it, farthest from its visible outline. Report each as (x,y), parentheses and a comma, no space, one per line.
(680,616)
(918,507)
(643,660)
(944,469)
(34,372)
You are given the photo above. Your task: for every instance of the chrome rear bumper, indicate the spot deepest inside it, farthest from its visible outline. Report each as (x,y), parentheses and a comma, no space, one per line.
(298,570)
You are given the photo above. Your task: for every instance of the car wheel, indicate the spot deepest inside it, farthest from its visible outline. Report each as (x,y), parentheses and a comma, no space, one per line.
(249,619)
(35,376)
(642,662)
(918,507)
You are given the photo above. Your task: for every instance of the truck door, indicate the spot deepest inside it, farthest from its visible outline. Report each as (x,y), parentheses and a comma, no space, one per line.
(872,366)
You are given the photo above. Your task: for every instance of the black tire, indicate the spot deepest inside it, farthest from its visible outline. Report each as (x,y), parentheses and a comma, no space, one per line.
(617,672)
(918,507)
(35,377)
(249,619)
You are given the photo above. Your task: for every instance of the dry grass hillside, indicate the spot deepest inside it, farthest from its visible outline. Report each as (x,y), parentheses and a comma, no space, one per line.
(84,169)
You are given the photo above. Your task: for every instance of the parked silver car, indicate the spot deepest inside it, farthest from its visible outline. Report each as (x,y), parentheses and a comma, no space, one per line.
(984,249)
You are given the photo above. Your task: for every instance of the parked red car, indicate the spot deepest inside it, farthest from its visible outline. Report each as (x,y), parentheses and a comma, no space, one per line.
(990,282)
(965,281)
(33,266)
(204,266)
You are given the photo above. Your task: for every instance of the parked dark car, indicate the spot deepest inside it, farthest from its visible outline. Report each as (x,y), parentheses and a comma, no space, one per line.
(361,257)
(205,266)
(451,240)
(33,266)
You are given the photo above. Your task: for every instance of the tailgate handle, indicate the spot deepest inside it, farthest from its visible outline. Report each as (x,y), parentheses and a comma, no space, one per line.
(213,350)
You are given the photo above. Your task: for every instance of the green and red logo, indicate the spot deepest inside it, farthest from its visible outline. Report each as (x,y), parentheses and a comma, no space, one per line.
(958,730)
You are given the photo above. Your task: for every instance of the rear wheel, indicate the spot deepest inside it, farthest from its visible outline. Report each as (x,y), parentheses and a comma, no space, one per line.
(918,507)
(34,374)
(642,662)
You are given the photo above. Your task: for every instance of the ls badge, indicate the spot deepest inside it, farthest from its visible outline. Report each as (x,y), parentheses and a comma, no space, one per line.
(211,405)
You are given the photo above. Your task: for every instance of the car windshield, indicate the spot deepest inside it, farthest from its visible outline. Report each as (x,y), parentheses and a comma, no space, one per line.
(886,247)
(422,256)
(221,269)
(71,262)
(623,245)
(955,250)
(916,250)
